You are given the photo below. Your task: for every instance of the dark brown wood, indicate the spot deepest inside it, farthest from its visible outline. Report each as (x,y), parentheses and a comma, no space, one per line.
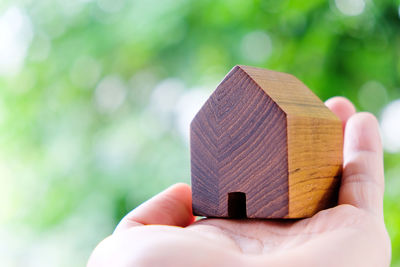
(264,146)
(239,144)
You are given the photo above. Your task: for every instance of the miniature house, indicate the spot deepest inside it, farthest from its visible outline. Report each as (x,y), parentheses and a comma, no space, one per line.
(264,146)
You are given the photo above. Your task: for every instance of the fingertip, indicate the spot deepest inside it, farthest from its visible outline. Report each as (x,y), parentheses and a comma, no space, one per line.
(342,107)
(366,118)
(342,102)
(363,133)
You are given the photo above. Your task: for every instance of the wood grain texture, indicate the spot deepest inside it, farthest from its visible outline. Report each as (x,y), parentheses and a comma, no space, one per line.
(289,93)
(266,145)
(238,144)
(315,164)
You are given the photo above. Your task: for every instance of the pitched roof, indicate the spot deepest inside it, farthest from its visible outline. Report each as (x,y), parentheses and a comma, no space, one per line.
(288,92)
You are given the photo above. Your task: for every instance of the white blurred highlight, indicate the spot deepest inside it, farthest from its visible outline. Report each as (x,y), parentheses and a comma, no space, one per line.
(350,7)
(22,246)
(165,97)
(398,11)
(188,105)
(390,127)
(111,6)
(256,46)
(15,36)
(110,94)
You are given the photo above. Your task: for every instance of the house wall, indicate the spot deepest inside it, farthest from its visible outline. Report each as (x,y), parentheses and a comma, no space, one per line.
(239,144)
(315,164)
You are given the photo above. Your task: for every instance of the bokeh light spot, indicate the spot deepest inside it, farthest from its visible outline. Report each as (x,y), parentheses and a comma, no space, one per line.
(40,48)
(256,47)
(398,11)
(372,96)
(116,148)
(15,36)
(164,98)
(390,127)
(350,7)
(188,105)
(85,72)
(111,6)
(110,94)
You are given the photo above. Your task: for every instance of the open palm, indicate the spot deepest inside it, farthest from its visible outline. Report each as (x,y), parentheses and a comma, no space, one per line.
(162,231)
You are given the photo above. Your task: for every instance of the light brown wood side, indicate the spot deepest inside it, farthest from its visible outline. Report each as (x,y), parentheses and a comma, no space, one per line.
(315,164)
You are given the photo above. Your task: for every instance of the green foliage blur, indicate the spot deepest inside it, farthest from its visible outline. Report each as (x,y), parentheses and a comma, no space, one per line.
(96,97)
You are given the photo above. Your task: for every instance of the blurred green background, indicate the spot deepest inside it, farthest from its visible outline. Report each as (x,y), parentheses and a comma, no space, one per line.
(96,97)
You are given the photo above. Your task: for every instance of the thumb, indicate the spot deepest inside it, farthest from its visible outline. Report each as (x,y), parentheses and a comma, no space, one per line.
(173,206)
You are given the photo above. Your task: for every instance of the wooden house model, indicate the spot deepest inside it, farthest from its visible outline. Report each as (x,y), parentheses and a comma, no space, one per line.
(264,146)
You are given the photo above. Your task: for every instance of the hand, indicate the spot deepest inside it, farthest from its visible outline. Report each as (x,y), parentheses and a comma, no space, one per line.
(162,231)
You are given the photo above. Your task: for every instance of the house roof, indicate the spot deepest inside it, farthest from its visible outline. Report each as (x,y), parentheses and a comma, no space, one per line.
(288,92)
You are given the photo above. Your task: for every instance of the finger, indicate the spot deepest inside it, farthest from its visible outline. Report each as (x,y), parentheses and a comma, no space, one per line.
(342,107)
(363,179)
(170,207)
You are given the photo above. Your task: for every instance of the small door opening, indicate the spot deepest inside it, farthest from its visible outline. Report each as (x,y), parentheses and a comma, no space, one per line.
(237,205)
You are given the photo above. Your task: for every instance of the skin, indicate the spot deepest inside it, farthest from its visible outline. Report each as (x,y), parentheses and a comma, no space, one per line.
(163,231)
